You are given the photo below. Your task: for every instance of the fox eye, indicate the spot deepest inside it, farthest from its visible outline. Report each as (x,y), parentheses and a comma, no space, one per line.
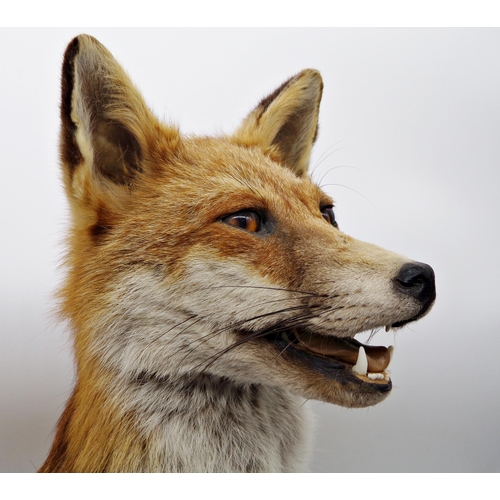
(329,216)
(247,220)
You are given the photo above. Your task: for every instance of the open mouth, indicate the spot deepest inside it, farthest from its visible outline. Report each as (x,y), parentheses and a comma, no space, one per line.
(330,355)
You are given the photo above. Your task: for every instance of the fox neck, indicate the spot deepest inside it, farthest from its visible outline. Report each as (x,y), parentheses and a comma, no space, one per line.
(191,424)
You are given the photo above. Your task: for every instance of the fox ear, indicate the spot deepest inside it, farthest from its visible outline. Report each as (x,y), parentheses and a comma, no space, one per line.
(286,122)
(105,124)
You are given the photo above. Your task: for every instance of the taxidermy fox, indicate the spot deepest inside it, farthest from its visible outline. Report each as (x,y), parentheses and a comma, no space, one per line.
(209,288)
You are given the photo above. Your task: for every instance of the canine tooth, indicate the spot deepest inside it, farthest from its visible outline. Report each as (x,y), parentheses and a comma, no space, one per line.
(387,328)
(391,353)
(361,366)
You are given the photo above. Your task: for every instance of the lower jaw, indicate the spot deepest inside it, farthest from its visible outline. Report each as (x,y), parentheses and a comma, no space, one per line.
(335,377)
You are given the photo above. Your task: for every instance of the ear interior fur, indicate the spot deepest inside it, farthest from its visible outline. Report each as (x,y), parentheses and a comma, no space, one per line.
(286,122)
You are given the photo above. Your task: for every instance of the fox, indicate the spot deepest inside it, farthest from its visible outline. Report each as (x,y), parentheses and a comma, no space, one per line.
(209,290)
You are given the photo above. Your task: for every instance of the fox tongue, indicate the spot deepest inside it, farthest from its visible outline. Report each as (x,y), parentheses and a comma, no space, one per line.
(344,350)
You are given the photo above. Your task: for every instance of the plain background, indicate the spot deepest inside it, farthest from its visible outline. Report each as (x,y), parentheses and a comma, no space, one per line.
(409,147)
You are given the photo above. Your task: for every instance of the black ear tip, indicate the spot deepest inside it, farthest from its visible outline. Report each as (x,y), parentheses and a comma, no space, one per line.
(70,153)
(68,73)
(71,51)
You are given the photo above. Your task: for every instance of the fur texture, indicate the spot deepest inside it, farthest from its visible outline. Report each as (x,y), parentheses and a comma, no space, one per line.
(202,273)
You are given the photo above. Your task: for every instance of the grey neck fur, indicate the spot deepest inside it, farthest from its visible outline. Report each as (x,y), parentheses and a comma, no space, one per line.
(212,424)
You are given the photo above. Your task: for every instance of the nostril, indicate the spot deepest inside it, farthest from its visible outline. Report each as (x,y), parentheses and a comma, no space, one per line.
(417,279)
(411,277)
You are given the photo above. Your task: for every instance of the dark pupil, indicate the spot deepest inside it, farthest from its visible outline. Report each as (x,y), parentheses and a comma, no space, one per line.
(242,221)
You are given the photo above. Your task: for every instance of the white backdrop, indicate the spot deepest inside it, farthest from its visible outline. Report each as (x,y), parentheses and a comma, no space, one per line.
(409,147)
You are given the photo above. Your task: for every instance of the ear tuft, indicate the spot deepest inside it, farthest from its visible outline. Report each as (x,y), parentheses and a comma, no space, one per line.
(286,121)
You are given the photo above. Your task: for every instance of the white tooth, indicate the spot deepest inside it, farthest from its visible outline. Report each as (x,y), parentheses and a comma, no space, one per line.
(376,376)
(361,366)
(391,354)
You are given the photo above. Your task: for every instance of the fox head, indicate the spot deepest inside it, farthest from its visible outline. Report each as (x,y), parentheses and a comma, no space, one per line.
(218,256)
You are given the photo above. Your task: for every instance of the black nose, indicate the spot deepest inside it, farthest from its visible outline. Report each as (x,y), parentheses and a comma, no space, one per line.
(417,279)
